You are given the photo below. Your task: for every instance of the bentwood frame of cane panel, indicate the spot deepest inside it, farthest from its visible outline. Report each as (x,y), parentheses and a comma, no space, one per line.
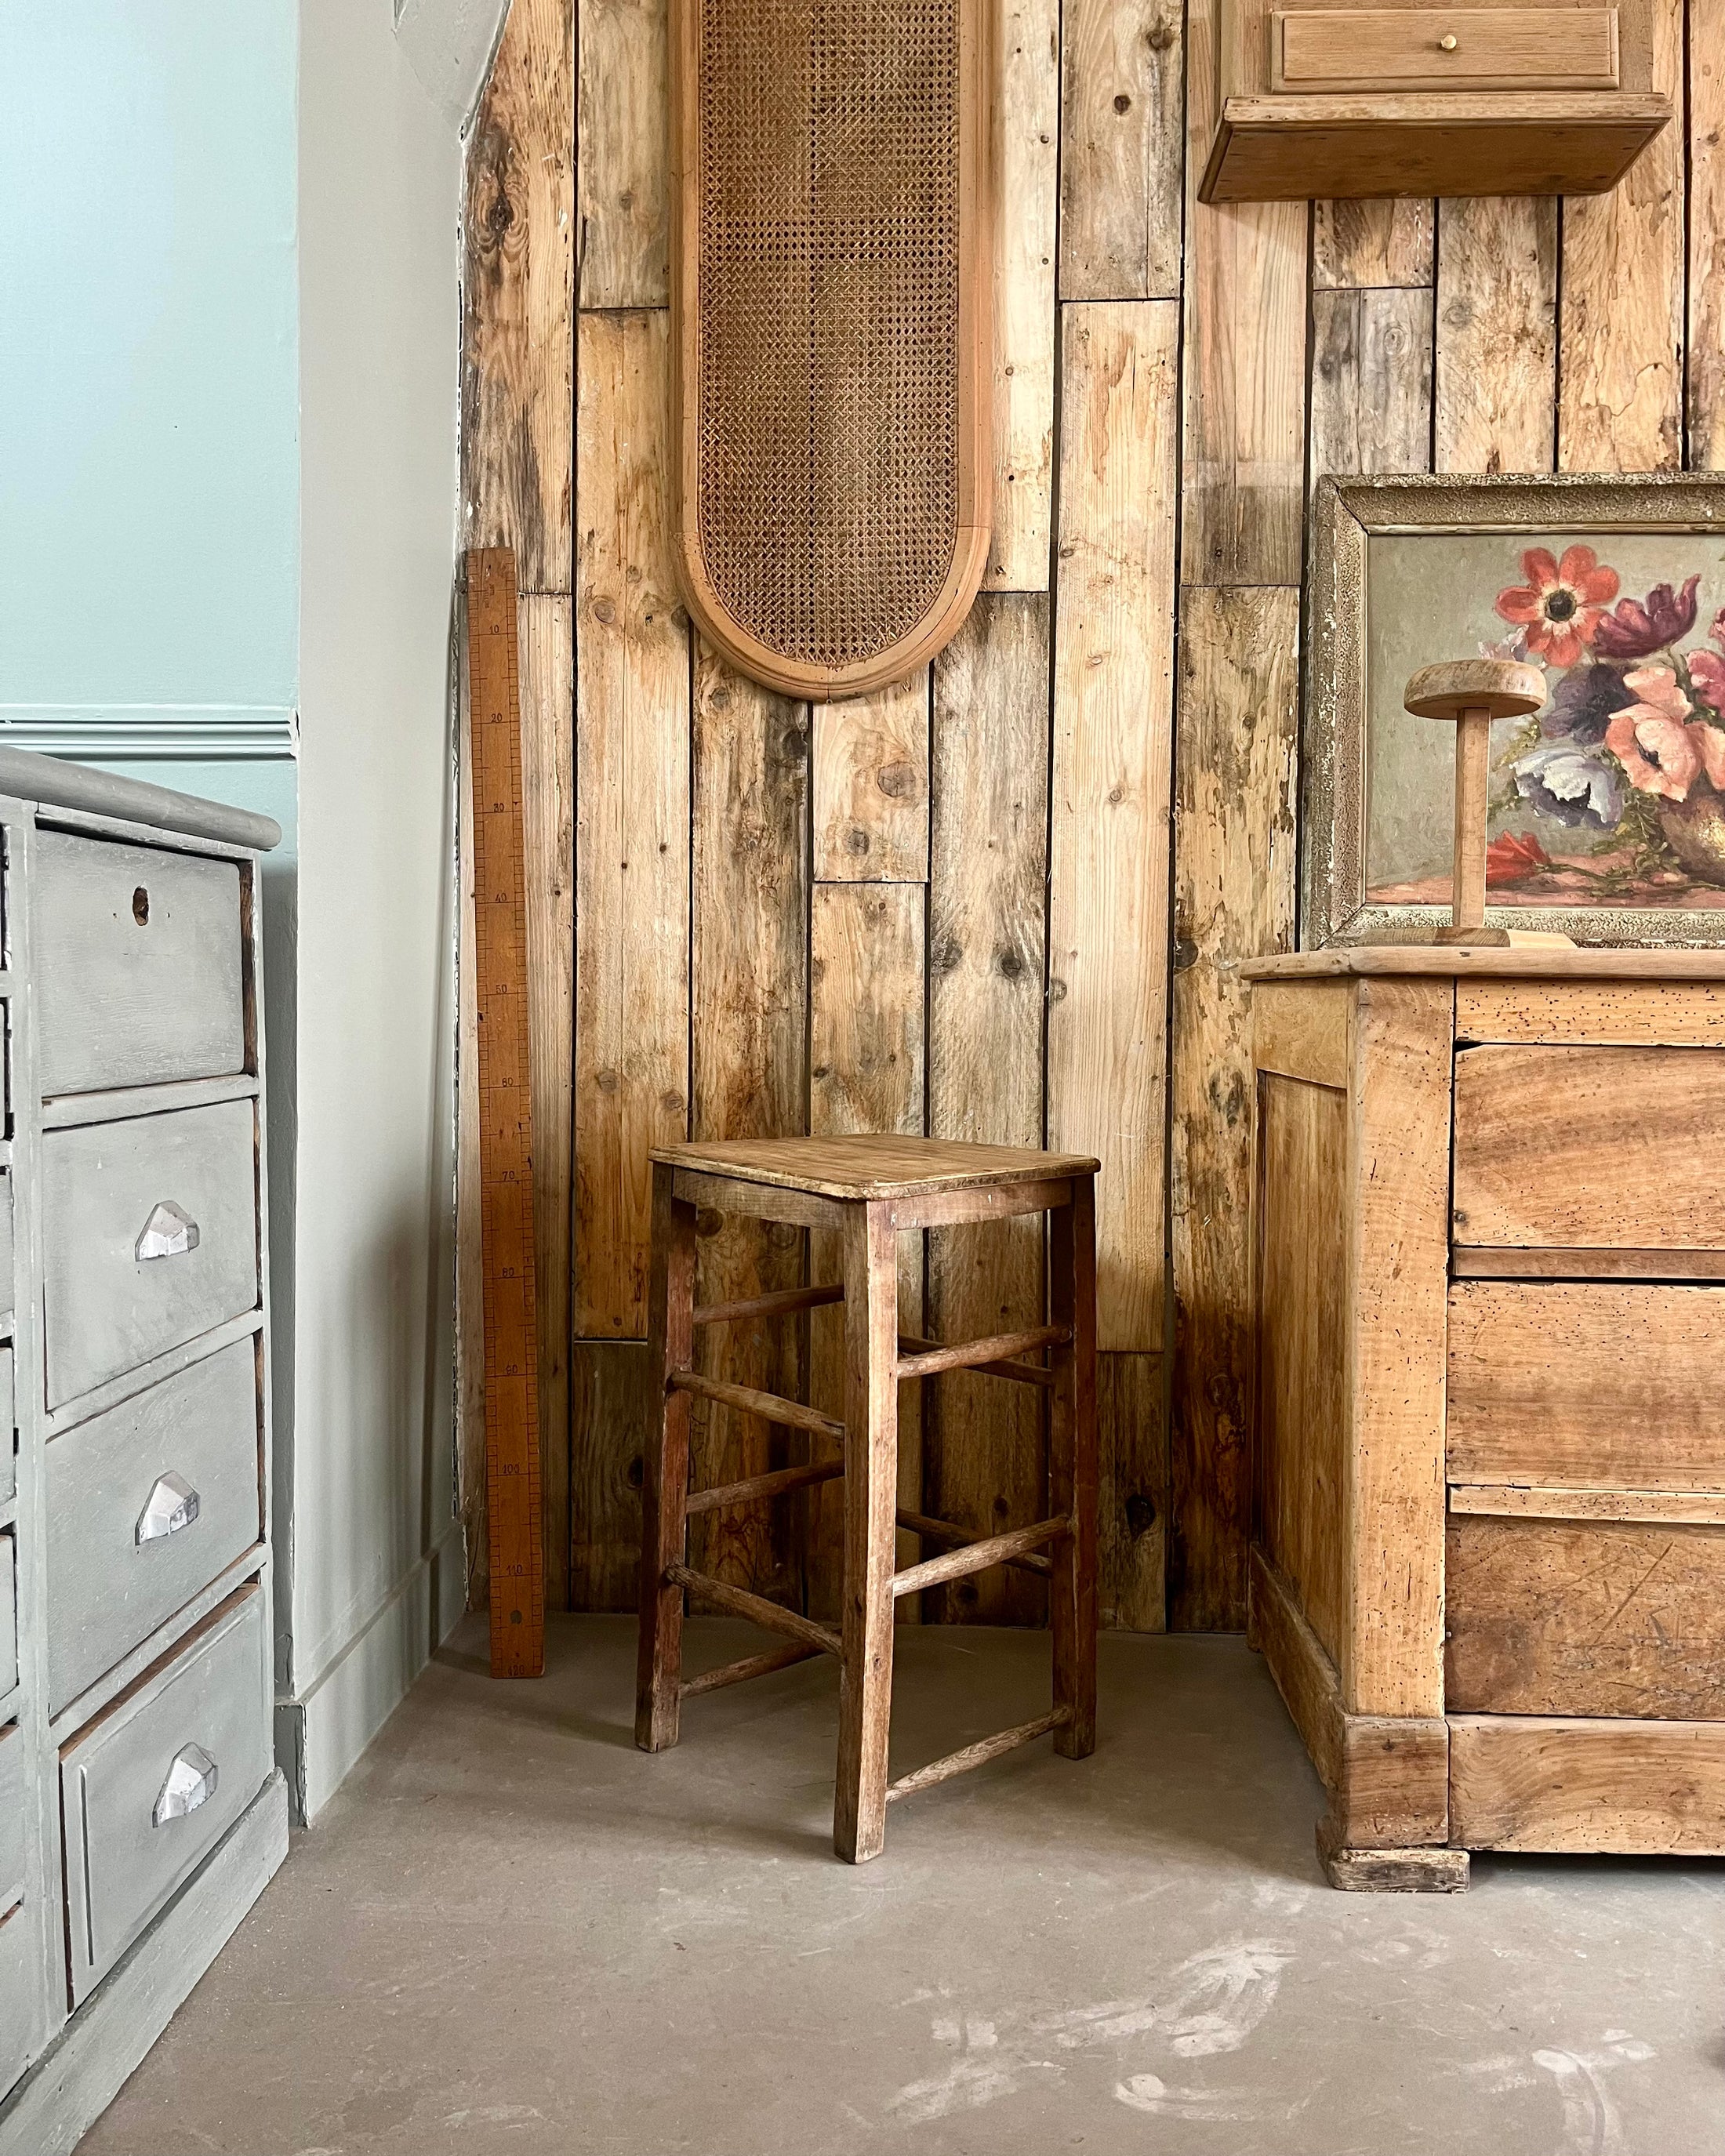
(868,1190)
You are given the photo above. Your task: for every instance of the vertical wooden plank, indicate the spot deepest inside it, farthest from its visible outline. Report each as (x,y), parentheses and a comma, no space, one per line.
(517,401)
(469,1248)
(1245,289)
(659,1666)
(871,786)
(1113,693)
(1133,1498)
(632,842)
(1496,378)
(1707,234)
(984,1460)
(1122,90)
(1026,122)
(1073,1469)
(748,1039)
(1362,245)
(1621,353)
(1234,898)
(867,1049)
(548,679)
(612,1400)
(623,178)
(1371,382)
(1393,1650)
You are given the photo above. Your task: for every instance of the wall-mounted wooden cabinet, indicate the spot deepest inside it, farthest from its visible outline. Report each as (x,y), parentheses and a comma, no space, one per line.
(1351,98)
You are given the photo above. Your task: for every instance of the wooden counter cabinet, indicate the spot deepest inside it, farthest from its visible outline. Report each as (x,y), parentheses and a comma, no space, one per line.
(1488,1535)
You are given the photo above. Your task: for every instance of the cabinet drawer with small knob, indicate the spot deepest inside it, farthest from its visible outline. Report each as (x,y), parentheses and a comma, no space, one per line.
(1438,48)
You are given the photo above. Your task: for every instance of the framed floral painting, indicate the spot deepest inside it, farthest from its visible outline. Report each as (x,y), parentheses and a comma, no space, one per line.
(1607,817)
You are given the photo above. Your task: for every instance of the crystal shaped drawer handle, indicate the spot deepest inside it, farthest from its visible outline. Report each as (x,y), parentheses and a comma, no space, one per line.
(172,1505)
(191,1782)
(169,1232)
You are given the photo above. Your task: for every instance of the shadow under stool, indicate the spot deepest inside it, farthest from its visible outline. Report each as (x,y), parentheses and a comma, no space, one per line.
(868,1190)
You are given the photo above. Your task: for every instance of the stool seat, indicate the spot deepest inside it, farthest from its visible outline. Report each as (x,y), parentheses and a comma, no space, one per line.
(866,1168)
(867,1192)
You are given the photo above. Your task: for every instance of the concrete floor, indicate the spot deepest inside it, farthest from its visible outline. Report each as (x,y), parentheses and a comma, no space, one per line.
(512,1931)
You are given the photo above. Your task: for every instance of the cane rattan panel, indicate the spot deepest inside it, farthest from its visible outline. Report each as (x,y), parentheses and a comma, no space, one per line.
(831,332)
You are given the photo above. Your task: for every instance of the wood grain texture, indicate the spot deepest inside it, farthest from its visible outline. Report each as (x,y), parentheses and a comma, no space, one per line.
(985,1464)
(613,1402)
(1301,1467)
(1304,1029)
(748,1064)
(1367,245)
(1133,1501)
(1562,1783)
(1397,1262)
(1025,117)
(1496,374)
(632,836)
(518,331)
(623,173)
(1122,91)
(1109,811)
(1511,1501)
(547,687)
(1556,1146)
(1245,362)
(1706,447)
(1600,1384)
(469,1249)
(1234,897)
(867,1050)
(1630,1014)
(1620,372)
(871,786)
(1371,382)
(1585,1617)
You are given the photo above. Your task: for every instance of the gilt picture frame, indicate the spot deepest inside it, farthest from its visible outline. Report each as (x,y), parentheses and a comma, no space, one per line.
(1606,823)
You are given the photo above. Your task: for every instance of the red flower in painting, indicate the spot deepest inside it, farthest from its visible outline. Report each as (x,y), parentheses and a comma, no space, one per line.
(1562,603)
(1513,857)
(1639,627)
(1706,677)
(1661,750)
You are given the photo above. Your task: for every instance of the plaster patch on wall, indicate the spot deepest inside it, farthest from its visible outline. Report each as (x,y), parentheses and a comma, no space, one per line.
(449,45)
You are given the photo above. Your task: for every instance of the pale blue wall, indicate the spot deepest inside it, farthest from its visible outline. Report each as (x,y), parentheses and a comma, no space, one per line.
(149,486)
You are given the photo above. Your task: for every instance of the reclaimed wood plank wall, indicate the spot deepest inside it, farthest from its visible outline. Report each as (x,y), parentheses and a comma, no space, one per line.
(1006,900)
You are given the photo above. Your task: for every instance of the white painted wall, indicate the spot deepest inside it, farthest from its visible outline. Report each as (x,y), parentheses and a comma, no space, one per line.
(371,1559)
(450,44)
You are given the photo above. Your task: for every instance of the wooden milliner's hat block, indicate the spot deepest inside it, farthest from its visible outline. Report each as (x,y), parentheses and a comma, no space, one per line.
(1470,693)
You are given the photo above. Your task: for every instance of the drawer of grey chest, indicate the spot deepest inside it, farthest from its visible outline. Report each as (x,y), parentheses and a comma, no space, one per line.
(137,965)
(146,1504)
(150,1787)
(21,2002)
(149,1238)
(8,1612)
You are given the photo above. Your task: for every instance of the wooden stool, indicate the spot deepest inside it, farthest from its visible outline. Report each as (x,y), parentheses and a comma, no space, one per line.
(868,1189)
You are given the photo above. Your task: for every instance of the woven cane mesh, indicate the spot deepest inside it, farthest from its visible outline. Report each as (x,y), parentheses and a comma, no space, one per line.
(828,318)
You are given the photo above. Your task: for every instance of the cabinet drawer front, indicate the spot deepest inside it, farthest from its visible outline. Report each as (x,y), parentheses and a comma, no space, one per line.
(150,1787)
(8,1427)
(12,1846)
(146,1505)
(1585,1617)
(138,966)
(1589,1147)
(112,1190)
(1434,48)
(24,2009)
(8,1613)
(1598,1386)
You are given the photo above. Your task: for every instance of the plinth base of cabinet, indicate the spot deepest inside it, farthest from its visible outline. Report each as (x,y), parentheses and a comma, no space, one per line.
(1389,1871)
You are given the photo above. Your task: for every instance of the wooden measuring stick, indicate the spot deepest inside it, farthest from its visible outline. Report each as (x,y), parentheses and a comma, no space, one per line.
(511,1318)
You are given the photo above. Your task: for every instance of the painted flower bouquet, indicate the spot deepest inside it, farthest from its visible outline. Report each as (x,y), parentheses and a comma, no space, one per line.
(1632,743)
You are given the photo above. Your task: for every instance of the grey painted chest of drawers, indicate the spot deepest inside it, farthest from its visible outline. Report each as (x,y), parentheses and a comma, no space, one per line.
(140,1811)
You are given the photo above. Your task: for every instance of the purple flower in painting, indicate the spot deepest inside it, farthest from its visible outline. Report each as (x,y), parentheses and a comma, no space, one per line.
(1635,628)
(1583,704)
(1565,782)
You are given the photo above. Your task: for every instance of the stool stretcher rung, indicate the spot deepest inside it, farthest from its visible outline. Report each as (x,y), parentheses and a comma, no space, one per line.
(977,1557)
(778,1303)
(750,1666)
(943,1531)
(1026,1374)
(972,1354)
(740,1603)
(977,1755)
(775,1485)
(768,1405)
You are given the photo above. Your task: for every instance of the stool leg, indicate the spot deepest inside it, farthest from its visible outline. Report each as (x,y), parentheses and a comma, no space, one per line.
(1072,1468)
(665,1483)
(870,1505)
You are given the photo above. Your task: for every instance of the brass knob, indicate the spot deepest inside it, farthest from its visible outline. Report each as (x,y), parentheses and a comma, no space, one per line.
(1447,44)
